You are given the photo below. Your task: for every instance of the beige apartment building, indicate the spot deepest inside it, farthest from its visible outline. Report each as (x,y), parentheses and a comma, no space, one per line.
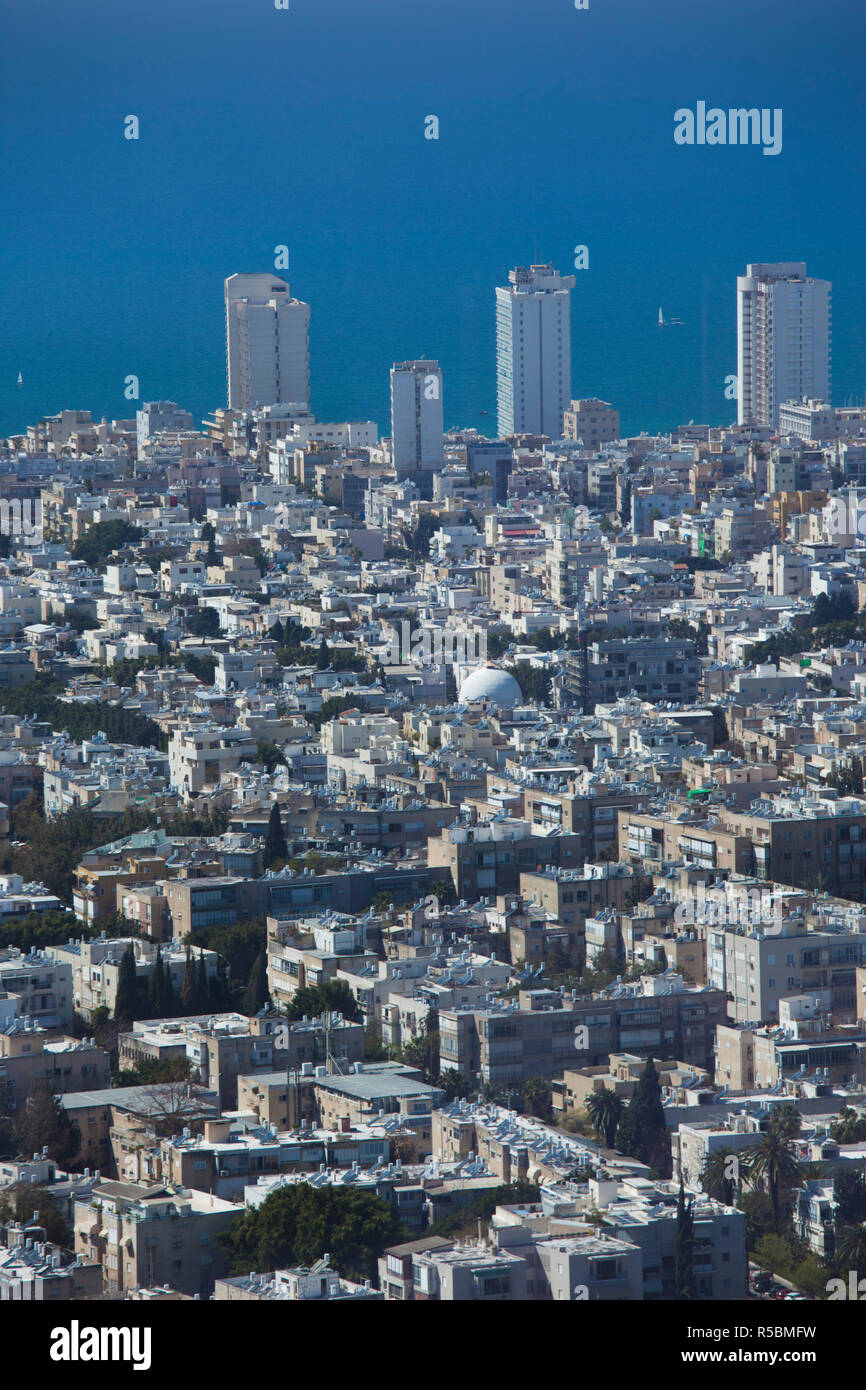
(147,1234)
(66,1064)
(592,421)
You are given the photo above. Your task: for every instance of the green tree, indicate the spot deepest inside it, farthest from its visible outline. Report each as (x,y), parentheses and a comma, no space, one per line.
(44,1125)
(102,539)
(684,1247)
(720,1176)
(126,1002)
(276,849)
(851,1249)
(156,987)
(850,1128)
(538,1098)
(167,998)
(202,992)
(323,660)
(297,1225)
(187,988)
(18,1203)
(374,1048)
(270,755)
(204,622)
(337,704)
(333,996)
(219,990)
(464,1221)
(423,1051)
(849,1193)
(534,681)
(643,1132)
(786,1120)
(605,1110)
(455,1085)
(771,1165)
(256,993)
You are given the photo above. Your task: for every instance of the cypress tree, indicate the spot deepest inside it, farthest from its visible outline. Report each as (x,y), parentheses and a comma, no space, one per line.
(275,840)
(156,988)
(643,1131)
(187,989)
(201,986)
(168,1005)
(323,660)
(219,990)
(684,1248)
(256,992)
(126,1003)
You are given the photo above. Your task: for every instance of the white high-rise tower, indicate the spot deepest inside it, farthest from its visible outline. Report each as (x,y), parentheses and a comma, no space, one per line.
(267,343)
(533,351)
(417,429)
(783,340)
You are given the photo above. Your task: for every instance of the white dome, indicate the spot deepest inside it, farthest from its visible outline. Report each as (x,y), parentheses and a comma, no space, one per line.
(489,683)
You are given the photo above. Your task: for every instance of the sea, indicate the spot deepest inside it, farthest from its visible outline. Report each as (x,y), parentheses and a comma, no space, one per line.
(305,127)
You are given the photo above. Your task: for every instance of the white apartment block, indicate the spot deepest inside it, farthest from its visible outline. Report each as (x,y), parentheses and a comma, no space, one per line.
(157,417)
(417,428)
(267,343)
(783,340)
(199,758)
(533,351)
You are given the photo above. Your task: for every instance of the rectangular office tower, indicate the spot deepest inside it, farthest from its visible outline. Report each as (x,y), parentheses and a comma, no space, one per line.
(783,340)
(533,351)
(267,343)
(417,428)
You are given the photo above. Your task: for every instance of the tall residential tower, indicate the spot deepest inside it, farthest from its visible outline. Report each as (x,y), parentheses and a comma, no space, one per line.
(783,340)
(267,343)
(417,430)
(533,351)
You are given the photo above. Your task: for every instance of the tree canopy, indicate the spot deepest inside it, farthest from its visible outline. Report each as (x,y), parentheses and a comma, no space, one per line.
(297,1225)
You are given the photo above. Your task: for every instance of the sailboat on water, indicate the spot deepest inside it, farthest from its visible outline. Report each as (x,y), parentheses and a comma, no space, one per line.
(20,379)
(661,319)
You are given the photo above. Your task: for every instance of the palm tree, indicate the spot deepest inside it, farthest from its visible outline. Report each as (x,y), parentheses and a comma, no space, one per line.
(605,1110)
(770,1164)
(851,1248)
(720,1176)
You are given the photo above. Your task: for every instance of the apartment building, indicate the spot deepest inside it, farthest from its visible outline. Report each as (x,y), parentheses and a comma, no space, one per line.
(720,1260)
(146,1234)
(229,1157)
(95,967)
(572,896)
(592,422)
(479,1274)
(371,1089)
(659,1016)
(317,1284)
(34,1270)
(66,1064)
(199,758)
(505,1045)
(112,1123)
(758,969)
(42,986)
(485,859)
(656,669)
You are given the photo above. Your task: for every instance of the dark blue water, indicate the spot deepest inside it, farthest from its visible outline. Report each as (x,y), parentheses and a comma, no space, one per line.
(261,127)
